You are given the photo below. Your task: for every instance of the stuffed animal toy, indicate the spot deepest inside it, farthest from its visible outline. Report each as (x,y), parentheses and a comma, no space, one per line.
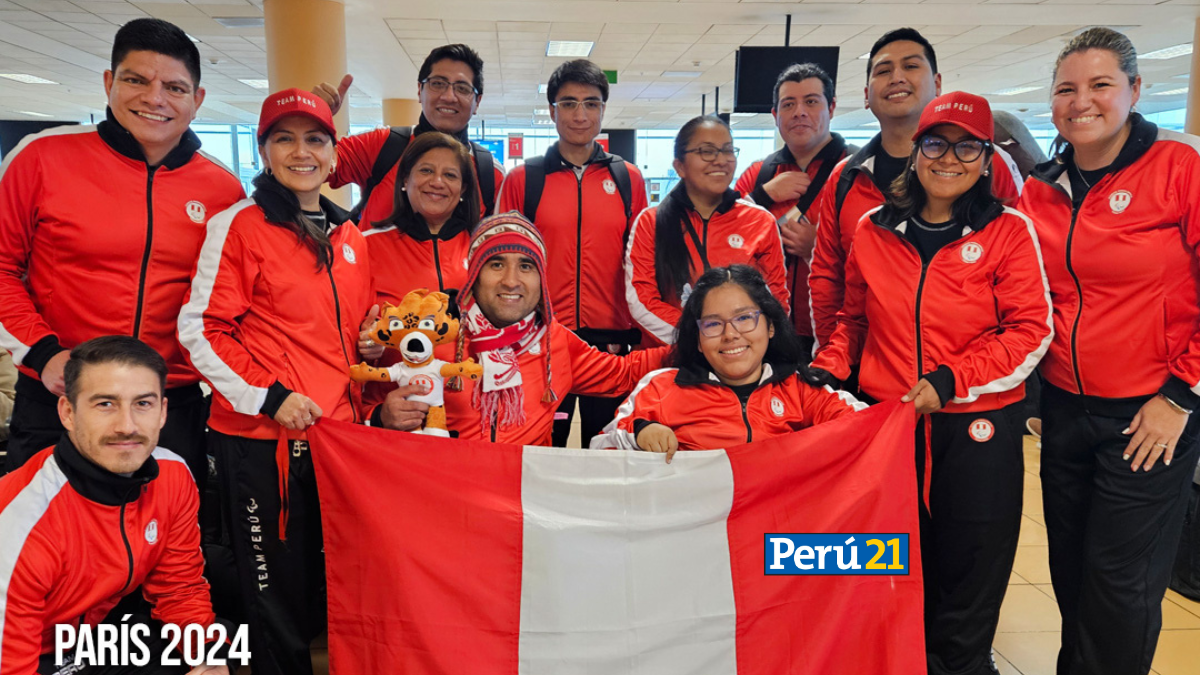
(420,323)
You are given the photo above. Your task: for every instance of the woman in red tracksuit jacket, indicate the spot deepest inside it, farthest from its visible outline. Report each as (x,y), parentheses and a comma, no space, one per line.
(276,305)
(423,244)
(946,305)
(736,378)
(699,225)
(1118,214)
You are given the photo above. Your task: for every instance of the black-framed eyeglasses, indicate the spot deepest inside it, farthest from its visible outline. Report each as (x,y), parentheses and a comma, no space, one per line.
(966,150)
(709,153)
(439,85)
(571,105)
(742,323)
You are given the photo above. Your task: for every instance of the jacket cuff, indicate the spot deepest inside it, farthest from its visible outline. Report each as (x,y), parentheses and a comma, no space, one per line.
(1178,391)
(760,197)
(376,417)
(41,352)
(638,425)
(942,380)
(276,394)
(221,651)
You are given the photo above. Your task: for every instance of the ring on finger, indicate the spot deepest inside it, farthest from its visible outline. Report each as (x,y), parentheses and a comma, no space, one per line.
(1160,445)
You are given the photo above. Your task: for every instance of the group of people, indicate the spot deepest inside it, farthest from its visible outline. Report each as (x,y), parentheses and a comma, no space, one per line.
(918,267)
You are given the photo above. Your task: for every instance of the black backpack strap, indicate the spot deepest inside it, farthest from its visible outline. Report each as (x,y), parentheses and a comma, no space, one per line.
(535,182)
(392,149)
(485,168)
(620,174)
(769,168)
(830,155)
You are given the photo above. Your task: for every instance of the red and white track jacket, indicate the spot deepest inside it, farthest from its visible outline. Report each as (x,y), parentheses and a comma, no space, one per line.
(263,321)
(94,242)
(737,232)
(797,268)
(981,308)
(77,539)
(356,158)
(582,220)
(1123,270)
(706,414)
(576,368)
(403,262)
(836,228)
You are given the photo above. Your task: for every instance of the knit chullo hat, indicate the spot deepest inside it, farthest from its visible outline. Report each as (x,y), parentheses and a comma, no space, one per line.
(502,233)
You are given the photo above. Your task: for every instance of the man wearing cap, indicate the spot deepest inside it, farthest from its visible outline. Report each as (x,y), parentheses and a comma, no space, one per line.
(787,182)
(902,78)
(100,228)
(450,87)
(529,360)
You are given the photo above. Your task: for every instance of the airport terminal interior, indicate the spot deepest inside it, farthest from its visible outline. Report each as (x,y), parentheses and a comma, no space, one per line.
(667,61)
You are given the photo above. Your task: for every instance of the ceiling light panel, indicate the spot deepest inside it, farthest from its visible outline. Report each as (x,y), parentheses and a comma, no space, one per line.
(569,48)
(27,78)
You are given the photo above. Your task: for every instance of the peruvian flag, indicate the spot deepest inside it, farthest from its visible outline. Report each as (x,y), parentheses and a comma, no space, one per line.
(452,557)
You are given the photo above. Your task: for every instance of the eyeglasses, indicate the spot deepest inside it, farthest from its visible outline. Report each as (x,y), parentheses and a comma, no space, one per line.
(966,150)
(742,323)
(439,85)
(570,105)
(709,153)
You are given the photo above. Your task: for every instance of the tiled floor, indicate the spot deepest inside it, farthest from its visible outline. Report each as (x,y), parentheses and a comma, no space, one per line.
(1027,640)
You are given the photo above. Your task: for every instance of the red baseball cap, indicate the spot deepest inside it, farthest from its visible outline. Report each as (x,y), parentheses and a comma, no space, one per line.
(969,112)
(295,102)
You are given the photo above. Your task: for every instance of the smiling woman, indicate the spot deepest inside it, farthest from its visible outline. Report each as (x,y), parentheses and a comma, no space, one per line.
(701,224)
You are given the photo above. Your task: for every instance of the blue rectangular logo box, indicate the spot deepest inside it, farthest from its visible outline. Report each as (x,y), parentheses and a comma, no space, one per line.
(845,554)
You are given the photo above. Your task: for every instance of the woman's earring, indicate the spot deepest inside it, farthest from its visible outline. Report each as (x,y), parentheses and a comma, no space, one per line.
(987,172)
(270,172)
(333,167)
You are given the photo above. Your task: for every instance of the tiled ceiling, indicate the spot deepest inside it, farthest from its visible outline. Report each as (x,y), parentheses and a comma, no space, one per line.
(983,46)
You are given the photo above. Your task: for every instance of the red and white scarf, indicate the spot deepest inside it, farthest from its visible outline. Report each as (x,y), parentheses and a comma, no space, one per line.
(499,395)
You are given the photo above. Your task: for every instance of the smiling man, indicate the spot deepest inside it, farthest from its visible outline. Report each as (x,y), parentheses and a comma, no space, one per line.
(104,511)
(787,182)
(100,228)
(450,88)
(902,78)
(529,359)
(582,200)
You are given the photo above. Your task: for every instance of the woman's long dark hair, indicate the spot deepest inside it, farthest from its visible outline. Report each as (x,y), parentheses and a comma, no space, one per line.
(281,206)
(784,351)
(907,197)
(403,216)
(672,264)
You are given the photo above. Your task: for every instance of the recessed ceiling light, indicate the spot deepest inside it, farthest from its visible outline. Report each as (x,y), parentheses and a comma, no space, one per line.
(32,114)
(682,73)
(1168,52)
(542,123)
(240,21)
(541,111)
(568,48)
(257,84)
(542,88)
(864,57)
(1013,91)
(27,79)
(1170,92)
(193,39)
(1045,114)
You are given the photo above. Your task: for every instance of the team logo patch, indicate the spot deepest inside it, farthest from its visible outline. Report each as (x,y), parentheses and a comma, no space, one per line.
(196,211)
(424,382)
(609,186)
(348,254)
(152,531)
(1119,201)
(736,241)
(982,430)
(776,406)
(971,252)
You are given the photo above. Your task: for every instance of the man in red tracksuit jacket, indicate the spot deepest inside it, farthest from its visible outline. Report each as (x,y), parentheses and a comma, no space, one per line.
(89,520)
(581,213)
(100,228)
(450,87)
(902,78)
(792,177)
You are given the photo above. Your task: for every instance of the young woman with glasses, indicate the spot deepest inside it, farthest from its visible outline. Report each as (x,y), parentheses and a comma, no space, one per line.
(947,306)
(700,224)
(735,378)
